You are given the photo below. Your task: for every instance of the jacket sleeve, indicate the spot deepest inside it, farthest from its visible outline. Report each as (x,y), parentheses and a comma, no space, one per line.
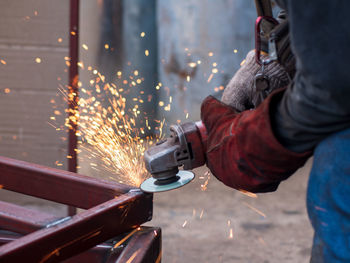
(317,104)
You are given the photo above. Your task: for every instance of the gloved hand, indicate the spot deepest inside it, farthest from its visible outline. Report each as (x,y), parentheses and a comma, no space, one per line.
(242,93)
(242,150)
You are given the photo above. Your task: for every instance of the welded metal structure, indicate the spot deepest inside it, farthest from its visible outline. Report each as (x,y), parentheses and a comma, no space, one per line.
(112,210)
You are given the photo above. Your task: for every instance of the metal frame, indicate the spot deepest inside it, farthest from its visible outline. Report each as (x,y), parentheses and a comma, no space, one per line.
(112,209)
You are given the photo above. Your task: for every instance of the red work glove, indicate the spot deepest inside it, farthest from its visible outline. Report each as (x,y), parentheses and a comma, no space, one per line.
(242,150)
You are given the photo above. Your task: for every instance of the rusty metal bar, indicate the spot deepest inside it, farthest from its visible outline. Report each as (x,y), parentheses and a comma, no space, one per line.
(73,88)
(73,81)
(81,232)
(57,185)
(99,253)
(22,220)
(144,247)
(6,237)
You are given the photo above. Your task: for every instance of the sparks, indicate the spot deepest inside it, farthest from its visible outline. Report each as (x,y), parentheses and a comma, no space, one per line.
(192,64)
(201,215)
(210,77)
(252,195)
(231,234)
(109,131)
(254,209)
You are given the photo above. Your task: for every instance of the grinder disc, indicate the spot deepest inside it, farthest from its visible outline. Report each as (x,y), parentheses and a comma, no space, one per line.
(149,185)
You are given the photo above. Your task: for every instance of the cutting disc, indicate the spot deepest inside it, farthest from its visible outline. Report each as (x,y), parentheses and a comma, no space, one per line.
(149,185)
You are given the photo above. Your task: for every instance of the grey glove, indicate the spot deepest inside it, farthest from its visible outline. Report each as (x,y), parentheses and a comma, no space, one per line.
(245,91)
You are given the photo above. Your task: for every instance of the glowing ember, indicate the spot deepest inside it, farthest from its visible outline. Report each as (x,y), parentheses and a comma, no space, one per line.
(262,241)
(210,77)
(204,186)
(252,195)
(254,209)
(201,215)
(231,234)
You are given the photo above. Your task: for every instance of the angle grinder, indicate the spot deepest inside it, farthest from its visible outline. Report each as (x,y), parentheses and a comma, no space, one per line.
(184,148)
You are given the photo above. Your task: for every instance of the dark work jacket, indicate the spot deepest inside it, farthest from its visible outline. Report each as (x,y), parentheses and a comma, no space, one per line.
(317,104)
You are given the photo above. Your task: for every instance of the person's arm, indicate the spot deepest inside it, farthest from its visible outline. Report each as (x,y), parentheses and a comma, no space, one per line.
(242,150)
(256,149)
(317,104)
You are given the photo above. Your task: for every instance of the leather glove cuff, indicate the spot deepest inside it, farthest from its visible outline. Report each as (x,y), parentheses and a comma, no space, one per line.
(242,150)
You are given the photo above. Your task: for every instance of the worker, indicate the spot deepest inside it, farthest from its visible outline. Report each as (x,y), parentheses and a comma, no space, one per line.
(255,149)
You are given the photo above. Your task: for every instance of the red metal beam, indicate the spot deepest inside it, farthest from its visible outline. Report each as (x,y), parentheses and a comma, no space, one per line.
(143,247)
(57,185)
(7,237)
(99,253)
(73,82)
(82,231)
(22,220)
(73,89)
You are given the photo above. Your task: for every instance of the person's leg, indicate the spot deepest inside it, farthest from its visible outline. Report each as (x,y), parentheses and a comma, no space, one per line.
(328,199)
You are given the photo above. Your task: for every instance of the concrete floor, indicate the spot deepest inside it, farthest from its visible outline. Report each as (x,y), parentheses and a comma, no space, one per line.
(196,224)
(284,234)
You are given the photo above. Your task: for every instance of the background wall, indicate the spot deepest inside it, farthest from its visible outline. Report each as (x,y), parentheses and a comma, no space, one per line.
(216,34)
(34,37)
(33,43)
(179,34)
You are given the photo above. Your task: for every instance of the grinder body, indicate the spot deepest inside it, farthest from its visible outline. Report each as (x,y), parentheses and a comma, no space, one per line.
(185,147)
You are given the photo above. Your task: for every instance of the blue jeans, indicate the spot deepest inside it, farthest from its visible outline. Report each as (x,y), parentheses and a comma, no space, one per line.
(328,199)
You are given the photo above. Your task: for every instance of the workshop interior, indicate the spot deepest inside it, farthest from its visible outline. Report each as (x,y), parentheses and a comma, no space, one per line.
(119,126)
